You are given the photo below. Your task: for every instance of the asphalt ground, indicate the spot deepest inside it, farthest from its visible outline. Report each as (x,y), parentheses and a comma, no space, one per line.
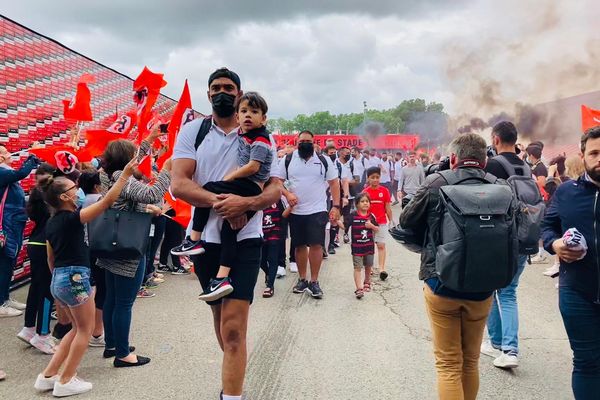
(301,348)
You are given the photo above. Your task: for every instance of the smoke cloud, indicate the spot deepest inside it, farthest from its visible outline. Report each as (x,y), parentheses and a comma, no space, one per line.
(533,63)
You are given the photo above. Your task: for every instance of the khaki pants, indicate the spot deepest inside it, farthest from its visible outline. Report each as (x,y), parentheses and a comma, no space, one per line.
(457,328)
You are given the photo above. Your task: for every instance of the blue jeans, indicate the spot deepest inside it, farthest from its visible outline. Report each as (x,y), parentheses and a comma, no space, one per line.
(71,285)
(503,321)
(154,242)
(7,266)
(121,292)
(582,323)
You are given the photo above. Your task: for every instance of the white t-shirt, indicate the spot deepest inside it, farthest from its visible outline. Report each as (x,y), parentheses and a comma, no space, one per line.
(215,158)
(398,170)
(386,171)
(358,168)
(308,181)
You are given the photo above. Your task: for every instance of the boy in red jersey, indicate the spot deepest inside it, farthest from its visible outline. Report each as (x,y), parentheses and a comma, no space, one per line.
(382,209)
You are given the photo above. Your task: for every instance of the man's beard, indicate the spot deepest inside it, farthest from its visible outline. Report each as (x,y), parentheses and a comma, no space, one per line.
(593,173)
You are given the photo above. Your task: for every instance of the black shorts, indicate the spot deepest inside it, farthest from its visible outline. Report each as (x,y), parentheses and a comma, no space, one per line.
(243,274)
(308,230)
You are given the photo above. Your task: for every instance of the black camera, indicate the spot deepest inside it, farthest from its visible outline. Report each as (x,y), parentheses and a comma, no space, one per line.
(443,165)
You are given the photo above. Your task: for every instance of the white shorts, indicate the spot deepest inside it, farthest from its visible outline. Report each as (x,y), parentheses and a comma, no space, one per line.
(382,234)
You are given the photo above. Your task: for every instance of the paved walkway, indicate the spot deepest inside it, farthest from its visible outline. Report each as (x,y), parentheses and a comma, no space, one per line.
(300,348)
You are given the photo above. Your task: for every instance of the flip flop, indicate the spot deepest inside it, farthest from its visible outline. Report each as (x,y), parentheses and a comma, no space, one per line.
(268,292)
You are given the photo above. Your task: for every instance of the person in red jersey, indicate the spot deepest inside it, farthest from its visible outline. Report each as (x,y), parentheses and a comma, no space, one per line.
(382,209)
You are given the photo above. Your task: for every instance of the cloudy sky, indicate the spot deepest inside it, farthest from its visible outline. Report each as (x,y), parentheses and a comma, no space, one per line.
(313,55)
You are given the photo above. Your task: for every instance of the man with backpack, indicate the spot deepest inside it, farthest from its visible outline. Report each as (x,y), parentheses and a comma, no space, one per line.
(503,321)
(309,174)
(470,249)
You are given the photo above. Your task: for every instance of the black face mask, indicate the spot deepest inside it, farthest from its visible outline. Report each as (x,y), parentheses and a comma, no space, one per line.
(223,104)
(332,157)
(305,150)
(346,157)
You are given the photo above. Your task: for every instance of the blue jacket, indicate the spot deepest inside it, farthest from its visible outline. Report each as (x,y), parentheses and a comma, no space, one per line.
(576,204)
(14,216)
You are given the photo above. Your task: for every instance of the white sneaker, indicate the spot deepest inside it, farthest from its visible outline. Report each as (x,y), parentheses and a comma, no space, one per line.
(7,311)
(45,344)
(539,259)
(42,383)
(293,267)
(489,350)
(15,304)
(97,342)
(74,386)
(553,270)
(26,334)
(506,361)
(280,272)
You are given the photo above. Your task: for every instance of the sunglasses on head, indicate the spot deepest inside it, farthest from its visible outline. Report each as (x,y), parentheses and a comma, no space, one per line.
(66,190)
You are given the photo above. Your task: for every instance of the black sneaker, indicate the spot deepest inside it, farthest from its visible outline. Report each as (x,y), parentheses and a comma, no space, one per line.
(314,289)
(179,271)
(325,255)
(346,238)
(336,243)
(216,289)
(163,268)
(331,249)
(188,248)
(301,286)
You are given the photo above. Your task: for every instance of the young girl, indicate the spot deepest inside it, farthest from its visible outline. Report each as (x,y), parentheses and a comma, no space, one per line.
(69,260)
(363,228)
(273,222)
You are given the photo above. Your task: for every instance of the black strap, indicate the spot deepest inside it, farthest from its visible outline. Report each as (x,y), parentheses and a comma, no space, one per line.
(510,168)
(203,131)
(338,164)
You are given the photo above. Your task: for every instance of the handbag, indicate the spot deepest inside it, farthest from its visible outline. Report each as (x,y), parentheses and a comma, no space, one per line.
(2,233)
(119,235)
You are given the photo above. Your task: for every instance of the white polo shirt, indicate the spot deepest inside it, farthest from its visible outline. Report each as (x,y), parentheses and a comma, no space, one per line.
(308,181)
(372,162)
(386,171)
(358,168)
(215,158)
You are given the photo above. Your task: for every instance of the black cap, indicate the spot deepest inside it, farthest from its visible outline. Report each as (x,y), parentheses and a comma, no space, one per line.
(225,73)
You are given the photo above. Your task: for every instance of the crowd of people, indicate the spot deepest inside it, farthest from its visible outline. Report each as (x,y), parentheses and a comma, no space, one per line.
(249,198)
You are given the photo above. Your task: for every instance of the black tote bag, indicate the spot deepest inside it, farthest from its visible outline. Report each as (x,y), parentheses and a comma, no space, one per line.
(120,235)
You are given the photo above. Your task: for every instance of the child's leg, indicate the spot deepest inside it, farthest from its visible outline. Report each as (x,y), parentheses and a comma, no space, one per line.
(357,264)
(272,258)
(200,219)
(381,256)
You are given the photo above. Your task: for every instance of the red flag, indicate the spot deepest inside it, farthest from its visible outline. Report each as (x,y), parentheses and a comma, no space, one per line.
(145,166)
(590,118)
(146,89)
(47,153)
(78,108)
(123,124)
(183,211)
(183,114)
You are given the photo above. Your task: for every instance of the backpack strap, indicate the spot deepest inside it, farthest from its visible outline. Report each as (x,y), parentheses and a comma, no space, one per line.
(325,164)
(339,168)
(288,160)
(451,178)
(511,169)
(203,131)
(352,167)
(2,205)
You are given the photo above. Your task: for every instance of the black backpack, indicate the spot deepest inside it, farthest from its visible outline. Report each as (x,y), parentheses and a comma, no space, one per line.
(530,206)
(477,247)
(288,160)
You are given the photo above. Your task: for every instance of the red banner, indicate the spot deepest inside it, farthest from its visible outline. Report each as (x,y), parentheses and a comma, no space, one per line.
(391,142)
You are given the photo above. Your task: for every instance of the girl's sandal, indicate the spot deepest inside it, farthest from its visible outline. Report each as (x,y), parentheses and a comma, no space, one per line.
(268,292)
(359,293)
(367,286)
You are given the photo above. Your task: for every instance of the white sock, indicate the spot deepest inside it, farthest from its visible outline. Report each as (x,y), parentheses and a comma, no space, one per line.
(230,397)
(542,252)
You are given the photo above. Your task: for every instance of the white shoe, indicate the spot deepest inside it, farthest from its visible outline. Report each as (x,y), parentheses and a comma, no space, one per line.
(539,259)
(7,311)
(26,334)
(293,267)
(280,272)
(506,361)
(45,344)
(43,384)
(15,304)
(97,342)
(553,270)
(489,350)
(74,386)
